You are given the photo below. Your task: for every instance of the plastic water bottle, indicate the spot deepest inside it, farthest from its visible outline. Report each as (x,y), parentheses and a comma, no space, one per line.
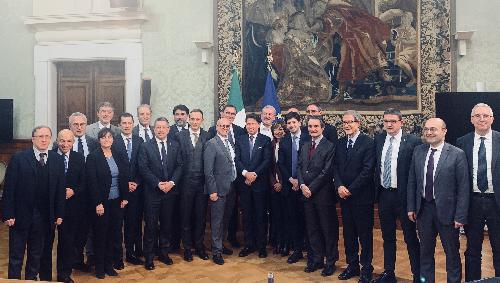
(270,277)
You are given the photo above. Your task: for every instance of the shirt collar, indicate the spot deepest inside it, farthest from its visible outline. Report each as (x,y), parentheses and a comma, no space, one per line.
(222,138)
(101,125)
(355,137)
(296,134)
(397,137)
(438,148)
(193,132)
(488,136)
(318,140)
(65,154)
(125,137)
(37,152)
(263,127)
(159,141)
(141,127)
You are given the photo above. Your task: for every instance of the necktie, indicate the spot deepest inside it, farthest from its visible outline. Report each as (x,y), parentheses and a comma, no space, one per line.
(250,143)
(387,165)
(164,160)
(482,177)
(349,148)
(65,163)
(312,149)
(196,137)
(295,156)
(230,135)
(80,146)
(129,149)
(429,177)
(228,148)
(146,135)
(42,158)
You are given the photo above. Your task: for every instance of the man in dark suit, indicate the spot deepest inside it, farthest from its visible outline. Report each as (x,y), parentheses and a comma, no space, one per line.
(330,132)
(194,200)
(160,164)
(438,199)
(253,158)
(74,164)
(229,112)
(288,157)
(105,113)
(181,116)
(128,145)
(315,175)
(33,202)
(353,178)
(220,172)
(482,150)
(83,144)
(393,152)
(143,129)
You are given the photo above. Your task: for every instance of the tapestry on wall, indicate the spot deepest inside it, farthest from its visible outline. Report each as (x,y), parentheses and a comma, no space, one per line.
(366,55)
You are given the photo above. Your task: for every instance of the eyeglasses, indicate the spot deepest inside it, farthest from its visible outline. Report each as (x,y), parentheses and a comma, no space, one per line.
(432,130)
(348,122)
(484,116)
(224,126)
(46,137)
(79,124)
(391,121)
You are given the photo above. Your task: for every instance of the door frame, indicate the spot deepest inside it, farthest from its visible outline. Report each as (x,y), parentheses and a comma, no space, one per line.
(45,72)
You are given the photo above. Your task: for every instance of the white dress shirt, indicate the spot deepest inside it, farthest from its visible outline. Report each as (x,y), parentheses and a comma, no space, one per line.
(437,155)
(191,135)
(158,143)
(297,141)
(266,131)
(488,142)
(394,158)
(101,125)
(141,132)
(84,143)
(353,139)
(37,154)
(124,137)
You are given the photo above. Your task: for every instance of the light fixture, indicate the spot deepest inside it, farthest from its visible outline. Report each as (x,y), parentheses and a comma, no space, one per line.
(205,46)
(462,37)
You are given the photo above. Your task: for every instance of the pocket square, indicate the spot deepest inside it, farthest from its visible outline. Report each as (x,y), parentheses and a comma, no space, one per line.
(259,147)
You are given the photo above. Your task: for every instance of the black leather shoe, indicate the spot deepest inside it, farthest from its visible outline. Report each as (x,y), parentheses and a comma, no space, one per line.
(295,257)
(276,250)
(313,267)
(139,253)
(285,251)
(149,266)
(165,259)
(349,272)
(100,274)
(245,252)
(82,267)
(365,277)
(262,253)
(227,251)
(188,256)
(202,254)
(235,244)
(386,277)
(217,258)
(119,265)
(328,270)
(67,279)
(110,271)
(132,259)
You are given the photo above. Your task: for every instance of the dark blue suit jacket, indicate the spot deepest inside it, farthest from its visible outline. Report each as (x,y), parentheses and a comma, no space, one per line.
(119,146)
(285,158)
(20,185)
(259,163)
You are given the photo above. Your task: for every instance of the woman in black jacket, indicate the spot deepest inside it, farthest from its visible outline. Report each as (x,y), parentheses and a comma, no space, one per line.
(107,176)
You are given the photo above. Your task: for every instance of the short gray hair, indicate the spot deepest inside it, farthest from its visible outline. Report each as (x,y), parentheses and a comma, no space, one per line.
(144,106)
(353,113)
(76,114)
(481,105)
(35,129)
(105,104)
(269,107)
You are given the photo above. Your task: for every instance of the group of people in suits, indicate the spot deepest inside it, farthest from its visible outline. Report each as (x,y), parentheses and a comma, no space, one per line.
(100,184)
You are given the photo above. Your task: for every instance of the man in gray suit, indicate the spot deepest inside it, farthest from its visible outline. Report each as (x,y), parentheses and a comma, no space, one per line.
(438,199)
(105,112)
(220,172)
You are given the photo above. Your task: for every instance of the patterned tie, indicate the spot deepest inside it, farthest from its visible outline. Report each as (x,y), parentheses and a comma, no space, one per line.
(295,156)
(230,135)
(129,149)
(196,138)
(349,148)
(65,163)
(146,135)
(250,143)
(228,148)
(429,177)
(42,158)
(164,160)
(482,177)
(387,165)
(312,149)
(80,146)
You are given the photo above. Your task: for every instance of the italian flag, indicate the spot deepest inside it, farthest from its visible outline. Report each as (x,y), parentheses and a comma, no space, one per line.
(236,99)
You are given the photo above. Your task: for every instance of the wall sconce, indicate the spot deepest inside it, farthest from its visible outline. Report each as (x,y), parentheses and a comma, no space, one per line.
(205,46)
(462,37)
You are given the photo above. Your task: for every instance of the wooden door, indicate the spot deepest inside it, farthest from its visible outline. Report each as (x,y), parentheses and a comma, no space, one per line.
(83,85)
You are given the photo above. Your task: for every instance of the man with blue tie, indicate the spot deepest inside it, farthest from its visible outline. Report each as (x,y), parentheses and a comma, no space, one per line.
(393,152)
(128,144)
(482,150)
(160,164)
(143,129)
(438,199)
(253,157)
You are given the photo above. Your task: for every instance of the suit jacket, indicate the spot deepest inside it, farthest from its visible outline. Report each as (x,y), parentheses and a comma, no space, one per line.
(285,158)
(238,131)
(183,139)
(135,130)
(99,176)
(150,166)
(451,184)
(408,143)
(92,143)
(274,172)
(259,163)
(466,143)
(330,133)
(316,172)
(356,170)
(218,167)
(174,130)
(93,130)
(119,146)
(20,188)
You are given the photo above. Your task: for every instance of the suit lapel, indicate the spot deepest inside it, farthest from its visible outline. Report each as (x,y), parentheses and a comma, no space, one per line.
(30,157)
(468,149)
(319,148)
(223,148)
(402,147)
(442,159)
(156,152)
(380,147)
(494,149)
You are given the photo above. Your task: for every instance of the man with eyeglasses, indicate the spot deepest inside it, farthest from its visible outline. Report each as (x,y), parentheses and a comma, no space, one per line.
(393,152)
(330,132)
(33,202)
(481,149)
(105,113)
(353,180)
(438,199)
